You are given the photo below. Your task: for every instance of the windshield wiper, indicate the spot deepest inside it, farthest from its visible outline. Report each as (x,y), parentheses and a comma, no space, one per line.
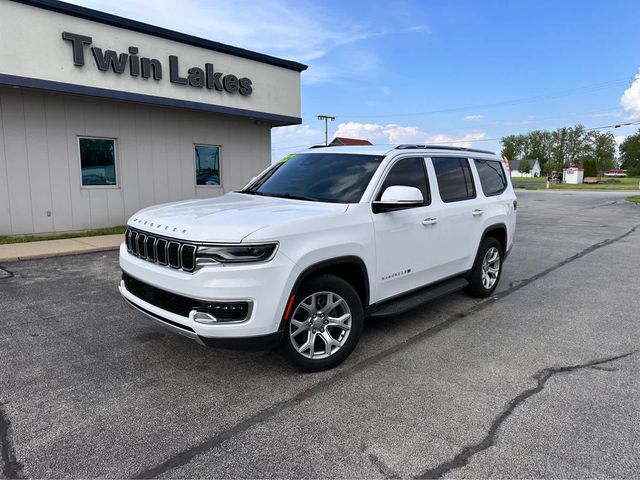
(251,192)
(293,196)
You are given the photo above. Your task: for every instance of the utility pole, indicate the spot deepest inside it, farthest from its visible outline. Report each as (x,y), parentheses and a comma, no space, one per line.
(326,119)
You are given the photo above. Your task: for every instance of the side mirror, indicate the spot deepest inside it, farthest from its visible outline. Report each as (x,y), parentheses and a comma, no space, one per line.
(398,197)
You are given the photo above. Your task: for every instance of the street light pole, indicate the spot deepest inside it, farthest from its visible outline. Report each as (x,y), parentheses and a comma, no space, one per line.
(326,119)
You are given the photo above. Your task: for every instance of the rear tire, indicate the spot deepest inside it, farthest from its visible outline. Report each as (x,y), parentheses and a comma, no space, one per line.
(325,324)
(487,269)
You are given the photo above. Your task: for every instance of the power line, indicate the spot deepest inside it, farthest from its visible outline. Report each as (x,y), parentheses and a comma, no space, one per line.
(604,127)
(564,93)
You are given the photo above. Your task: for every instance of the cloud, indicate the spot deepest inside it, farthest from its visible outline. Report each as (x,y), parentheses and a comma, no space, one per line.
(285,140)
(630,100)
(281,28)
(470,118)
(393,133)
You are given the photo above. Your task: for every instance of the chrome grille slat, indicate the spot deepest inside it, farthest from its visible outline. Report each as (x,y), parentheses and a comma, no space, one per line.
(151,248)
(173,254)
(161,251)
(142,250)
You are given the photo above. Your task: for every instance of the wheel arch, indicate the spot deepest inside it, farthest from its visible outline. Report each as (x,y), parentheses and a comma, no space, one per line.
(497,231)
(350,268)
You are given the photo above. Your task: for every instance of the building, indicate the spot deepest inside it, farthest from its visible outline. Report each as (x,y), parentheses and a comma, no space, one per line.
(534,166)
(101,116)
(573,175)
(615,172)
(344,141)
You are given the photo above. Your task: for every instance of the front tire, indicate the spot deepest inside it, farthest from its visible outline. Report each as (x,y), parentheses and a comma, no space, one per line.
(487,268)
(325,324)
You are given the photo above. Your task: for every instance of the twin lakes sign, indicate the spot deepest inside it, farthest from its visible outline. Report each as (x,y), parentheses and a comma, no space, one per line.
(145,67)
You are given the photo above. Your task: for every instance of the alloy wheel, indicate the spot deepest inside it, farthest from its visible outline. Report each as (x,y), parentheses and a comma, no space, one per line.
(490,268)
(320,325)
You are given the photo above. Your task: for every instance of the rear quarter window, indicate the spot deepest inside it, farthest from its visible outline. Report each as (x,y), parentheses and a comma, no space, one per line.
(492,177)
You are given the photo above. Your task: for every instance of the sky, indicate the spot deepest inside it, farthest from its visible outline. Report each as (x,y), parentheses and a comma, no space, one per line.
(458,72)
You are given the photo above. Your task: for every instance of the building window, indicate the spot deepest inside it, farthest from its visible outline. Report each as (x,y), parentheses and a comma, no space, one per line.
(207,165)
(98,161)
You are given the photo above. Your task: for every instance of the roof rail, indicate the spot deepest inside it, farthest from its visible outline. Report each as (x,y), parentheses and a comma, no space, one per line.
(409,146)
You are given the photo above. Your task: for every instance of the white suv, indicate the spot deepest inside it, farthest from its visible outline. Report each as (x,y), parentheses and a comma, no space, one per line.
(318,242)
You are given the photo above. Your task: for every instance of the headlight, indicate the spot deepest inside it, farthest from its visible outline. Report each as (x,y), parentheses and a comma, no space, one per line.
(237,253)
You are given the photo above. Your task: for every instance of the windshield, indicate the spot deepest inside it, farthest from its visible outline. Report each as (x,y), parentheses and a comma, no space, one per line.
(319,177)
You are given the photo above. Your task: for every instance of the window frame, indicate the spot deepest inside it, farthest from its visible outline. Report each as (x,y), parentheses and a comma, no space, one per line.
(116,167)
(504,177)
(378,190)
(471,177)
(195,167)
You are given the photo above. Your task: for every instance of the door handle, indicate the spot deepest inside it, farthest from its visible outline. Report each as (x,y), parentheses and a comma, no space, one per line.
(477,212)
(429,221)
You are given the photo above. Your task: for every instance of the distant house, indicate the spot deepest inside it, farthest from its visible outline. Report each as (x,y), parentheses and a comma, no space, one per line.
(616,172)
(344,141)
(534,166)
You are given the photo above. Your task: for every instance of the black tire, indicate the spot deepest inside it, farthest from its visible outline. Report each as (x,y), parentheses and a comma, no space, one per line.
(477,286)
(322,285)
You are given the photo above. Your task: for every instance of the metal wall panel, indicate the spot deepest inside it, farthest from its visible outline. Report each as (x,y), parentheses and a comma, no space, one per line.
(40,164)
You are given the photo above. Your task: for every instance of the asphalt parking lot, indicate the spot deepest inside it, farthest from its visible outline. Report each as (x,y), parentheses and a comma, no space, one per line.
(542,380)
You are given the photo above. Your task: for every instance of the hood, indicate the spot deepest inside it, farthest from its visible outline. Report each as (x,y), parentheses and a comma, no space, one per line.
(228,218)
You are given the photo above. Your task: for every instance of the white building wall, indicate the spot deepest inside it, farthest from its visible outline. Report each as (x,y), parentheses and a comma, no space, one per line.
(40,165)
(32,46)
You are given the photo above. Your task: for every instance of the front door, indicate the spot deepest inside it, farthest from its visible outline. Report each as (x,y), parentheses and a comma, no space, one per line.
(405,239)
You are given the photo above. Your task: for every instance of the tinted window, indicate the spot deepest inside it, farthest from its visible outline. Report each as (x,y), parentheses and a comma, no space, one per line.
(408,172)
(98,161)
(492,177)
(321,177)
(454,178)
(207,165)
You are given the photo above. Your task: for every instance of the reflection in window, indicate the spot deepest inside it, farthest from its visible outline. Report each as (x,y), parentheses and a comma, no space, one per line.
(98,161)
(207,165)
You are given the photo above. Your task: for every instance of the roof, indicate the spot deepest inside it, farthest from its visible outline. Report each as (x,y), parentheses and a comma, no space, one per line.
(140,27)
(386,149)
(515,164)
(343,141)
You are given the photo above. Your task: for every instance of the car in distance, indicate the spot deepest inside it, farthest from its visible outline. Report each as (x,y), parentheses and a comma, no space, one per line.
(316,243)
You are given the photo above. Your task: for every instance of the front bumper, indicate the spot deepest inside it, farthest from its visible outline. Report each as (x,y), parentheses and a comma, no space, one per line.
(265,286)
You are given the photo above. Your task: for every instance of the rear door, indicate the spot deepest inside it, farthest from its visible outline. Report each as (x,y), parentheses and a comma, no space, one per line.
(460,218)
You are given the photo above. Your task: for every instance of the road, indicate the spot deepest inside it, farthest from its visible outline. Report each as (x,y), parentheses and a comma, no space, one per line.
(542,380)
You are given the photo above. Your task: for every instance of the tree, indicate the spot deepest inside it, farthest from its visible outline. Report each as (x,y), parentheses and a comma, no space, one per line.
(525,167)
(630,154)
(602,151)
(540,147)
(513,146)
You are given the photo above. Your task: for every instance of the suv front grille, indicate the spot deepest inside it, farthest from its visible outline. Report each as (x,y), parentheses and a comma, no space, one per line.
(164,251)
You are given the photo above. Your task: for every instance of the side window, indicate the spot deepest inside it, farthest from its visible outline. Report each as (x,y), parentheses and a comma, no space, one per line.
(454,178)
(409,172)
(492,177)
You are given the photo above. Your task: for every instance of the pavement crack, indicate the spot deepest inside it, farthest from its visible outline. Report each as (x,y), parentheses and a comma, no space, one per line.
(382,467)
(185,456)
(4,273)
(489,440)
(11,467)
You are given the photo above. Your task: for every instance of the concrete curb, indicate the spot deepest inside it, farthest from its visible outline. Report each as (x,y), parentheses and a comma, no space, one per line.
(57,248)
